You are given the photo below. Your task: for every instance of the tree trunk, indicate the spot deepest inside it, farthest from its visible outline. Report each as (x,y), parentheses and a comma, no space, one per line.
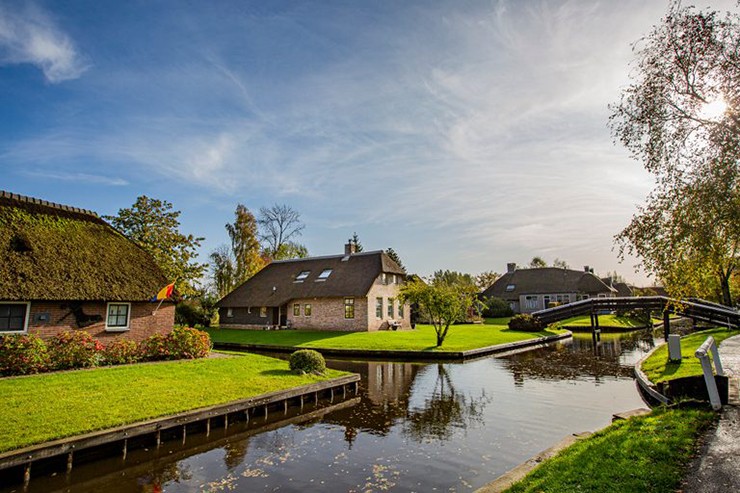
(726,297)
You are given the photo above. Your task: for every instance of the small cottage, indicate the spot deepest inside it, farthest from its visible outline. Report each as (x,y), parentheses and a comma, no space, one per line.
(530,290)
(65,268)
(350,292)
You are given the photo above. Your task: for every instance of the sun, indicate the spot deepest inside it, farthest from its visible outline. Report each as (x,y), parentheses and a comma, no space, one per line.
(713,110)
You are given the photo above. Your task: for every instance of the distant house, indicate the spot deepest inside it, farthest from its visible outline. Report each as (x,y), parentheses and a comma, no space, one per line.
(64,268)
(624,290)
(350,292)
(529,290)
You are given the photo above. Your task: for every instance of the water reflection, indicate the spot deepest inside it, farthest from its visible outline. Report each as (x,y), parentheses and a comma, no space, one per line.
(414,427)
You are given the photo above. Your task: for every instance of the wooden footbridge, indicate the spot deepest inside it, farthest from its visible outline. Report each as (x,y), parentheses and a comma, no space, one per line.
(693,308)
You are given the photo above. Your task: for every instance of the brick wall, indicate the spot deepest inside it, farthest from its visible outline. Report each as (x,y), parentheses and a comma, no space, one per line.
(244,318)
(328,314)
(142,323)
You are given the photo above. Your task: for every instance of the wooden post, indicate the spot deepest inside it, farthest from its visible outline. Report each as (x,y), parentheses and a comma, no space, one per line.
(226,421)
(331,393)
(69,462)
(301,402)
(184,434)
(285,406)
(125,448)
(246,414)
(265,412)
(666,324)
(159,438)
(26,475)
(316,398)
(208,427)
(357,388)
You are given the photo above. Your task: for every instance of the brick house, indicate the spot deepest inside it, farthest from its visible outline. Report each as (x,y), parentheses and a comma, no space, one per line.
(529,290)
(64,268)
(350,292)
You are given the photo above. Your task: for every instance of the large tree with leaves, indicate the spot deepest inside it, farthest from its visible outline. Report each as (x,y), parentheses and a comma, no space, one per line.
(681,117)
(245,244)
(154,226)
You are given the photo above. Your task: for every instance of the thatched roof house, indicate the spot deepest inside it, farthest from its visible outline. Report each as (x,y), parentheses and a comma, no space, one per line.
(529,290)
(67,268)
(354,291)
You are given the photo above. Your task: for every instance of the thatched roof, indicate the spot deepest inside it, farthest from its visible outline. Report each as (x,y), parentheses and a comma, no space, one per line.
(276,284)
(546,280)
(55,252)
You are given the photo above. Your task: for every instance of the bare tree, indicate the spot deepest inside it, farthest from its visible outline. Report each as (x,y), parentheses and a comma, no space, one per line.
(278,224)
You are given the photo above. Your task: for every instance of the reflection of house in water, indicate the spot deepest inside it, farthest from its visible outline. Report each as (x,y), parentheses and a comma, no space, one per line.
(384,401)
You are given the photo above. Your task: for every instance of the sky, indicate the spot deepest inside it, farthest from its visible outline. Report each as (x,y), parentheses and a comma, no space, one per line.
(463,134)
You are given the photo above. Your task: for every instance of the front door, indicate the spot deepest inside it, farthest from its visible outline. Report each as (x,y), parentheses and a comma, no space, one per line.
(283,315)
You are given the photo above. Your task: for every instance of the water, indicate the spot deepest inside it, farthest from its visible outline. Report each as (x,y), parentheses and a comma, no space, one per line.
(414,427)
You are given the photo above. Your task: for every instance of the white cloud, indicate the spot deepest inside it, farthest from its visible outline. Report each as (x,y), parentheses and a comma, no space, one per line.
(30,36)
(77,177)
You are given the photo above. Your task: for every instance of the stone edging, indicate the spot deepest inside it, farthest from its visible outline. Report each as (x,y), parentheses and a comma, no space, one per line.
(406,355)
(645,383)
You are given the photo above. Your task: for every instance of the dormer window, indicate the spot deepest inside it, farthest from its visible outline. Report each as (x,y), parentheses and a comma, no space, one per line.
(302,275)
(324,274)
(510,287)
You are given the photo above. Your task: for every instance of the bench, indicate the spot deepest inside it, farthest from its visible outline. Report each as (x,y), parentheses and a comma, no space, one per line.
(394,324)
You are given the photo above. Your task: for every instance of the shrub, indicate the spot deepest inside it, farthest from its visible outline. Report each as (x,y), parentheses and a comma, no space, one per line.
(189,343)
(121,352)
(497,308)
(73,349)
(307,361)
(181,343)
(22,354)
(525,322)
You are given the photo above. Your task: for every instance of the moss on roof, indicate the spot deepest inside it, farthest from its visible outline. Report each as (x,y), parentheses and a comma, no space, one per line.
(53,252)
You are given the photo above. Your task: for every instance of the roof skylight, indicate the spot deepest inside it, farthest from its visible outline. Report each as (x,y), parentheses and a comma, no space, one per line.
(302,275)
(325,273)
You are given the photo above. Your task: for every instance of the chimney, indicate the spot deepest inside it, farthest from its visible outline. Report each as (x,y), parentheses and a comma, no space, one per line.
(350,248)
(511,267)
(586,268)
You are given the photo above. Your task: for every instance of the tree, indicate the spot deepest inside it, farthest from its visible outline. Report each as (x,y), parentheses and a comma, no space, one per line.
(537,262)
(560,264)
(440,302)
(394,256)
(356,240)
(485,279)
(245,245)
(681,118)
(278,224)
(290,250)
(223,270)
(155,227)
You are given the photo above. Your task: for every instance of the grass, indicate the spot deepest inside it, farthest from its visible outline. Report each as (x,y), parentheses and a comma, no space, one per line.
(459,338)
(609,320)
(658,369)
(40,408)
(643,454)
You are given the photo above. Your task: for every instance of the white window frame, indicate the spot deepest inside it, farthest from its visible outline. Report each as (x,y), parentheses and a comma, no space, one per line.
(324,274)
(25,321)
(229,313)
(379,308)
(128,317)
(302,276)
(263,312)
(307,309)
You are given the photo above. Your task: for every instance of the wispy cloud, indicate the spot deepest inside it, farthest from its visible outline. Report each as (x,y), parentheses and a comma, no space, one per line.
(29,35)
(77,177)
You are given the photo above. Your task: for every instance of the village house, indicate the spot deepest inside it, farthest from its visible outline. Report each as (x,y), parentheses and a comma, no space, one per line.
(65,268)
(530,290)
(350,292)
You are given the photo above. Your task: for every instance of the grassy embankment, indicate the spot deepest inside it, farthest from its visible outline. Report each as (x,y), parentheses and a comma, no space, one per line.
(658,369)
(646,453)
(609,320)
(40,408)
(460,337)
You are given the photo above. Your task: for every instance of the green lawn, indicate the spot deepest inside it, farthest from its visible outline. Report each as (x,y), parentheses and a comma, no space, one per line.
(659,369)
(459,338)
(642,454)
(609,320)
(40,408)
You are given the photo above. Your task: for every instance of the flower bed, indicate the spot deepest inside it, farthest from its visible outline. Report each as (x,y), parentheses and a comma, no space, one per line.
(27,353)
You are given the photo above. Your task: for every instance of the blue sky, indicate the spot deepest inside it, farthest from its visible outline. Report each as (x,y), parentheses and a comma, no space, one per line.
(463,134)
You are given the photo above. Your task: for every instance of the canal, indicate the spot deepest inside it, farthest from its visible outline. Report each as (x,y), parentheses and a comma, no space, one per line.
(413,427)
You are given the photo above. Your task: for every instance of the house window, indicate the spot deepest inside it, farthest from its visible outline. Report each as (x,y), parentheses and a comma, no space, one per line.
(384,278)
(349,308)
(400,309)
(229,312)
(302,275)
(531,301)
(118,316)
(14,317)
(296,309)
(263,311)
(307,310)
(511,287)
(324,274)
(395,280)
(390,307)
(378,307)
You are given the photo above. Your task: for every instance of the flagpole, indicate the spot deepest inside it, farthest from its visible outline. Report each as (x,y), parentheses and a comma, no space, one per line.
(160,304)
